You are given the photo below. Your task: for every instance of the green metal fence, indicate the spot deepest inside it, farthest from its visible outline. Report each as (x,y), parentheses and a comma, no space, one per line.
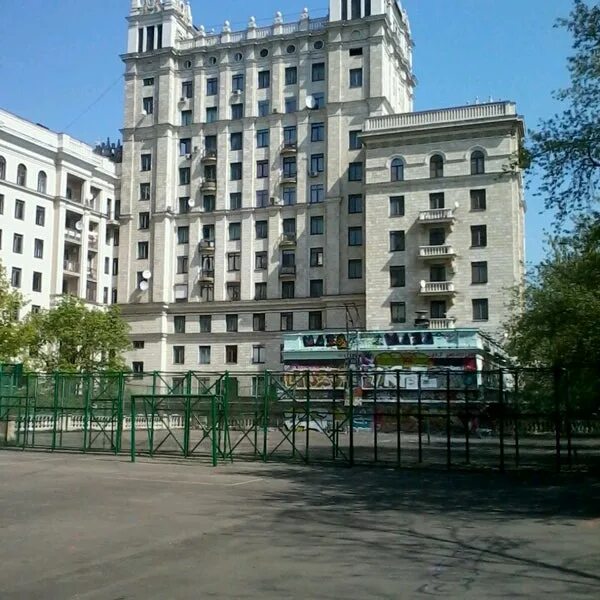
(504,419)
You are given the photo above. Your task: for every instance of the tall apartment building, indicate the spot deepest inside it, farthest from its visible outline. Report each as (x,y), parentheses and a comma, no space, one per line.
(276,180)
(57,215)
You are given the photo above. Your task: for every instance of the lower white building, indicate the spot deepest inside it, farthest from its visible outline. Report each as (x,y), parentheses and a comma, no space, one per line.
(58,230)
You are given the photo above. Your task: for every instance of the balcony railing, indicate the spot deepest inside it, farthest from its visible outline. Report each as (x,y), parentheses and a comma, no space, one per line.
(443,251)
(287,271)
(210,156)
(73,235)
(288,178)
(72,266)
(442,323)
(287,239)
(437,215)
(206,246)
(93,241)
(207,275)
(431,288)
(289,148)
(209,185)
(92,274)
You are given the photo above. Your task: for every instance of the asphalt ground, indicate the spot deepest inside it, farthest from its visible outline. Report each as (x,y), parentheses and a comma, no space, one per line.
(101,528)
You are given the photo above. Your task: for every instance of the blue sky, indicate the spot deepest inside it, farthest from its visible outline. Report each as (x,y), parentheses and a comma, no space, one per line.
(60,57)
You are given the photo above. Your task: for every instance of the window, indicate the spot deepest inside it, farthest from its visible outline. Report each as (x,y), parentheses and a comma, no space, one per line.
(107,266)
(287,321)
(210,143)
(185,146)
(234,261)
(355,269)
(2,167)
(209,203)
(438,309)
(42,182)
(204,355)
(18,243)
(318,72)
(207,293)
(208,232)
(114,295)
(260,291)
(477,163)
(205,323)
(291,75)
(319,100)
(148,81)
(22,175)
(187,89)
(142,250)
(178,355)
(436,201)
(235,171)
(183,235)
(288,258)
(262,138)
(316,226)
(186,118)
(317,132)
(315,320)
(19,210)
(291,104)
(138,345)
(355,52)
(259,322)
(397,241)
(233,291)
(478,200)
(288,290)
(237,111)
(179,324)
(2,204)
(0,239)
(436,166)
(184,176)
(262,170)
(397,277)
(437,273)
(148,105)
(237,82)
(182,265)
(355,171)
(146,162)
(258,355)
(290,135)
(355,236)
(480,309)
(289,167)
(317,163)
(235,232)
(397,170)
(38,248)
(354,142)
(356,78)
(235,201)
(261,261)
(355,204)
(231,355)
(184,205)
(289,196)
(231,323)
(263,108)
(316,288)
(398,312)
(262,230)
(479,272)
(212,114)
(316,257)
(212,86)
(264,79)
(479,236)
(144,191)
(437,236)
(115,266)
(396,206)
(317,193)
(235,141)
(262,198)
(15,277)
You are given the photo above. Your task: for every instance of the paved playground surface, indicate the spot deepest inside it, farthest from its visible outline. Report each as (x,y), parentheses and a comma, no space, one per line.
(100,528)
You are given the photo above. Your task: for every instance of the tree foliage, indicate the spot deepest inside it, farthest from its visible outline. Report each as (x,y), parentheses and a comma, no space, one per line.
(566,148)
(74,338)
(13,332)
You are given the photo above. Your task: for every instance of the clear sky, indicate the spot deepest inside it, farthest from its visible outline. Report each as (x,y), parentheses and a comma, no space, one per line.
(60,57)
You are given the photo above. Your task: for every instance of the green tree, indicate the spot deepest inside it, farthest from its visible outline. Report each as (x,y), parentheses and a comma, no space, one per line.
(14,333)
(566,148)
(74,338)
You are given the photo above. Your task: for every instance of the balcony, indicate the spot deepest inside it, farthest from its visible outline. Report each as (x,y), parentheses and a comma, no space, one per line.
(442,323)
(93,241)
(206,246)
(444,251)
(209,185)
(287,239)
(92,274)
(437,215)
(209,157)
(437,288)
(72,266)
(288,178)
(286,271)
(73,235)
(289,148)
(206,276)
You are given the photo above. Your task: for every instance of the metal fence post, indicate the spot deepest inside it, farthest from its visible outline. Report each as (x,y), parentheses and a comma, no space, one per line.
(467,421)
(398,423)
(501,424)
(351,411)
(265,411)
(307,415)
(448,424)
(419,418)
(133,427)
(55,408)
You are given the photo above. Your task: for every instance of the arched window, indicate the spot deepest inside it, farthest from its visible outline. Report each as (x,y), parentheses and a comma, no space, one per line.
(397,170)
(436,166)
(477,163)
(42,182)
(22,175)
(2,167)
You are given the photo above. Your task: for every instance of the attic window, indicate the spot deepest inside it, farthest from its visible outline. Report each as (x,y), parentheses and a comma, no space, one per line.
(356,51)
